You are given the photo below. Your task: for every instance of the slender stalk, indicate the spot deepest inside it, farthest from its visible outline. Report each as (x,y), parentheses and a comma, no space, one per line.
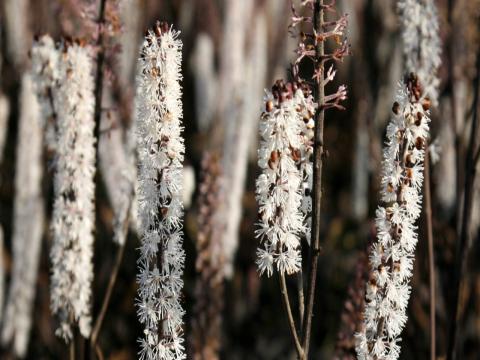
(301,297)
(317,183)
(291,321)
(106,300)
(431,256)
(72,349)
(111,284)
(466,216)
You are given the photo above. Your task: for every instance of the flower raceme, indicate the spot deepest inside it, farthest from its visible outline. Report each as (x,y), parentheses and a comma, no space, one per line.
(392,256)
(161,152)
(74,190)
(283,187)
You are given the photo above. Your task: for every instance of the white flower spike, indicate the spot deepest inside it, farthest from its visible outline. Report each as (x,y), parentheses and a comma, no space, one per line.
(392,256)
(74,189)
(161,152)
(283,186)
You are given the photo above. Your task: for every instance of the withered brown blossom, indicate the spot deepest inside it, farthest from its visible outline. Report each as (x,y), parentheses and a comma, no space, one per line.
(207,320)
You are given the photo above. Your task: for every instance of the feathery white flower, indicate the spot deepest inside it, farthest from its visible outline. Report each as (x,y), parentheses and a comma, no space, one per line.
(28,222)
(45,75)
(283,157)
(391,258)
(161,152)
(74,189)
(421,42)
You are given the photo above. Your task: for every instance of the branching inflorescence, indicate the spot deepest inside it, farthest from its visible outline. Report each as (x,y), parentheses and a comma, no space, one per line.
(391,257)
(73,214)
(161,152)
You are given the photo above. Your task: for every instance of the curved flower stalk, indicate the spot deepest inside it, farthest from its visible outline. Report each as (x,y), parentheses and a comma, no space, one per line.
(45,75)
(73,212)
(28,222)
(237,130)
(391,257)
(241,123)
(161,152)
(282,181)
(421,42)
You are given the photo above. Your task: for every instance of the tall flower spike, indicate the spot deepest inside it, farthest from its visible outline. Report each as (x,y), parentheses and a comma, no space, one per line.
(421,42)
(392,256)
(28,222)
(280,185)
(161,152)
(74,188)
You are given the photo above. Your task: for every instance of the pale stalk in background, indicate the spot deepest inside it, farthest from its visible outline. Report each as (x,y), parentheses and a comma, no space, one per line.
(28,222)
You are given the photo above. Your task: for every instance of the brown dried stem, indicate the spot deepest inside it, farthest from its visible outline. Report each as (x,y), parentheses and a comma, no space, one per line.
(291,321)
(317,182)
(431,255)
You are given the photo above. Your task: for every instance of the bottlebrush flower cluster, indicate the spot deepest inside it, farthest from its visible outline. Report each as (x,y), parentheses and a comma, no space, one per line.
(421,42)
(161,153)
(73,213)
(391,257)
(284,159)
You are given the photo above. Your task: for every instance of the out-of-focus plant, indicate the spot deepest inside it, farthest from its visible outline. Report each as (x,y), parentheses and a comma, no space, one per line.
(73,214)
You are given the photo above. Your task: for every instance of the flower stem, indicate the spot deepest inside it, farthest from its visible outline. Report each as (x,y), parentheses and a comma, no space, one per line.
(291,321)
(431,256)
(317,182)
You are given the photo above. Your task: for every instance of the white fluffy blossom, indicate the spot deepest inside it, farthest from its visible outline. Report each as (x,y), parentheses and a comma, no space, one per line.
(391,258)
(421,42)
(73,213)
(28,222)
(45,75)
(161,153)
(282,187)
